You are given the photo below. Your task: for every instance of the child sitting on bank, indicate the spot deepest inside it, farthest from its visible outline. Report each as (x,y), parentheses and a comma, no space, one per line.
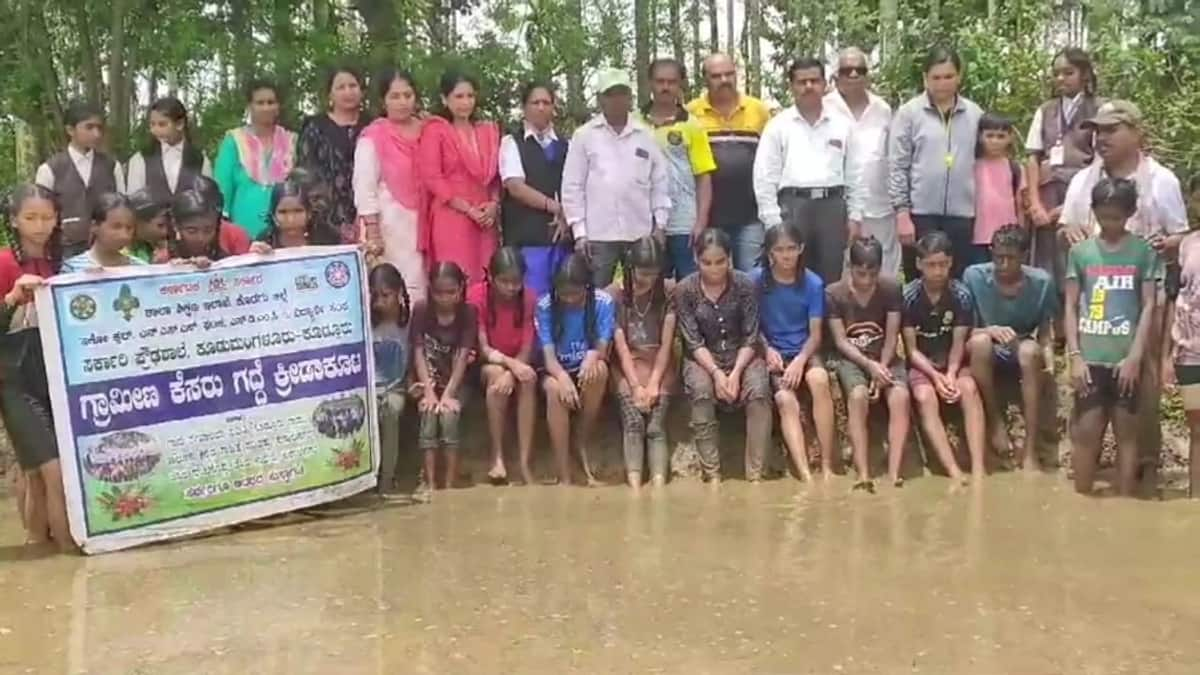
(444,331)
(111,234)
(644,337)
(1014,306)
(791,302)
(153,223)
(289,217)
(505,308)
(1112,280)
(864,317)
(575,323)
(389,327)
(938,316)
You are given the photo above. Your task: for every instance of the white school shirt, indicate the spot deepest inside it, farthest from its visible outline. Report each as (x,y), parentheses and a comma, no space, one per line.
(83,164)
(794,153)
(510,154)
(1033,142)
(871,148)
(172,159)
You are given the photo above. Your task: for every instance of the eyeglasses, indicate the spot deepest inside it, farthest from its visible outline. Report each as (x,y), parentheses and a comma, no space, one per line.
(861,71)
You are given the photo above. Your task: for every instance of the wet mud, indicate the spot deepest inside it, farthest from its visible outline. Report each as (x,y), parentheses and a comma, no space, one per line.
(1018,575)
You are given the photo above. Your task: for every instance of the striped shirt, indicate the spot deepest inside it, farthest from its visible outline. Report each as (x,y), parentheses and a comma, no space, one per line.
(734,140)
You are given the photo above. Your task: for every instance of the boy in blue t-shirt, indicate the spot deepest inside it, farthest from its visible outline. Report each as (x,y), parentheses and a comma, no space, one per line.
(791,310)
(575,325)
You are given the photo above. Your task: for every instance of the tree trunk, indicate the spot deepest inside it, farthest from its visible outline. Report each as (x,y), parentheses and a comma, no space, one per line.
(88,57)
(694,18)
(384,28)
(888,18)
(283,40)
(576,101)
(641,47)
(730,37)
(243,58)
(118,83)
(714,32)
(322,15)
(754,52)
(46,127)
(674,15)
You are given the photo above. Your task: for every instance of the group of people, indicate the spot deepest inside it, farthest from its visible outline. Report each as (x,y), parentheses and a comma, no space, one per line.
(771,246)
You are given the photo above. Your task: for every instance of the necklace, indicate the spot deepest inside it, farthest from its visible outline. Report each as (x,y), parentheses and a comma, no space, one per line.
(641,313)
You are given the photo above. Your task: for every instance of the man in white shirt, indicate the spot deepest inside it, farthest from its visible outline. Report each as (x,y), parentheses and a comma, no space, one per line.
(870,117)
(805,172)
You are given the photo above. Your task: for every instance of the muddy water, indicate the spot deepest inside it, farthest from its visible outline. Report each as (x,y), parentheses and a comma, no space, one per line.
(1019,577)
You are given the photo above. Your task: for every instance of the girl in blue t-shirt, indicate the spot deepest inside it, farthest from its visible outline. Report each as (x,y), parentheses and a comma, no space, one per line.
(791,309)
(575,327)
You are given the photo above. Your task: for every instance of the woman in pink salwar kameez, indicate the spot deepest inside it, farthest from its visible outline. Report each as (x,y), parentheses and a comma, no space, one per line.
(458,167)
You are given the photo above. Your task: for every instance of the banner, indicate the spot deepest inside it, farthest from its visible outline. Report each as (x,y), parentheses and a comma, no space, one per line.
(186,400)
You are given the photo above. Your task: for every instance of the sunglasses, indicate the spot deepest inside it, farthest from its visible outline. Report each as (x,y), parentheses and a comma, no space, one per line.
(861,71)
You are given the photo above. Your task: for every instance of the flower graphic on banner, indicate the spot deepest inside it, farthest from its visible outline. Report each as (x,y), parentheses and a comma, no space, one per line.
(351,457)
(83,307)
(126,502)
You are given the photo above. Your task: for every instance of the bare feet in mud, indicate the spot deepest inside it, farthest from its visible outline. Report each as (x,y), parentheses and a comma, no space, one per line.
(659,481)
(526,476)
(1001,443)
(867,486)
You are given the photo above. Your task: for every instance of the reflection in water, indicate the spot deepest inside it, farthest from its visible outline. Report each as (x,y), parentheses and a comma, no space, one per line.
(1015,576)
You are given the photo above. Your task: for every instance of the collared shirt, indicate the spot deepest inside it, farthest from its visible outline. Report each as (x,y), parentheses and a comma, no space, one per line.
(172,160)
(510,154)
(1067,108)
(1035,303)
(724,326)
(870,148)
(83,164)
(614,185)
(795,153)
(734,139)
(688,153)
(1160,207)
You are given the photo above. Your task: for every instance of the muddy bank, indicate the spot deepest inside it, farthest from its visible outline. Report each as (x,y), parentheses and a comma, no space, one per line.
(1019,577)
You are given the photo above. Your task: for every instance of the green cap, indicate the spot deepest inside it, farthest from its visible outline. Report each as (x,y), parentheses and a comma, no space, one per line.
(1116,112)
(611,78)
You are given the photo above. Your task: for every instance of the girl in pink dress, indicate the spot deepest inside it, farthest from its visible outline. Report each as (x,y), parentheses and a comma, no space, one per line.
(458,167)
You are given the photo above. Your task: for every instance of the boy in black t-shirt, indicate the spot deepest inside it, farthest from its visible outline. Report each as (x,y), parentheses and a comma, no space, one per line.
(938,315)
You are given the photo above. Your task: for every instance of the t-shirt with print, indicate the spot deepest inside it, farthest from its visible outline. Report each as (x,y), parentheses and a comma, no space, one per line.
(1110,295)
(390,346)
(440,342)
(786,309)
(934,322)
(689,154)
(1035,303)
(1185,330)
(572,342)
(507,330)
(865,324)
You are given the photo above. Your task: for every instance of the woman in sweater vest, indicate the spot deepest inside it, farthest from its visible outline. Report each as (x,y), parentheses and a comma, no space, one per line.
(80,174)
(169,161)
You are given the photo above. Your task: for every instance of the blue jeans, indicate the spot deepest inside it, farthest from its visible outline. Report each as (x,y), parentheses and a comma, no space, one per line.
(747,244)
(680,259)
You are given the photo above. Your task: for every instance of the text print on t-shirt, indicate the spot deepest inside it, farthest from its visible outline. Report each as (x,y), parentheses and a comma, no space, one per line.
(1109,279)
(867,336)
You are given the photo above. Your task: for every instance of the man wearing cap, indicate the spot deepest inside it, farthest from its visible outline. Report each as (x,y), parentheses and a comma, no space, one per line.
(1161,219)
(805,172)
(870,117)
(614,188)
(734,122)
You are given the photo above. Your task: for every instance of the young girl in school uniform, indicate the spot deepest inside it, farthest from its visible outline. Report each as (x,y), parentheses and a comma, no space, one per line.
(80,174)
(34,255)
(389,327)
(111,235)
(169,161)
(644,337)
(506,346)
(999,183)
(575,327)
(444,330)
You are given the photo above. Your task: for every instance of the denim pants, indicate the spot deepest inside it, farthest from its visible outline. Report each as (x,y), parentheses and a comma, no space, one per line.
(680,259)
(747,244)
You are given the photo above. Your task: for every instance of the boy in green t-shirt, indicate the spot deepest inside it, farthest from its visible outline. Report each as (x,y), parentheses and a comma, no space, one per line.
(1111,287)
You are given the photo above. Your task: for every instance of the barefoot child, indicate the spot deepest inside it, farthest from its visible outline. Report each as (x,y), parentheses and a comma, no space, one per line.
(389,326)
(111,234)
(1014,306)
(1181,357)
(506,342)
(33,256)
(444,330)
(643,339)
(718,319)
(791,302)
(575,327)
(938,315)
(864,316)
(1112,281)
(152,219)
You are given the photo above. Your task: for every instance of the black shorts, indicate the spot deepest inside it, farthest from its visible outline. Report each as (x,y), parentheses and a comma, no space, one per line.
(1104,392)
(30,425)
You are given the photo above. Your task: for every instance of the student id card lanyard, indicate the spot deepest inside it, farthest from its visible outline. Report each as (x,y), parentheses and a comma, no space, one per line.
(1058,152)
(946,118)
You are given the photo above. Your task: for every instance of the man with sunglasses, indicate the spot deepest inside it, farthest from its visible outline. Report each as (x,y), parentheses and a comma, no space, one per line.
(870,117)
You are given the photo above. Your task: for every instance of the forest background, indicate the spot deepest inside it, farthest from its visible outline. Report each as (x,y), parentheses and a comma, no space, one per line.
(124,53)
